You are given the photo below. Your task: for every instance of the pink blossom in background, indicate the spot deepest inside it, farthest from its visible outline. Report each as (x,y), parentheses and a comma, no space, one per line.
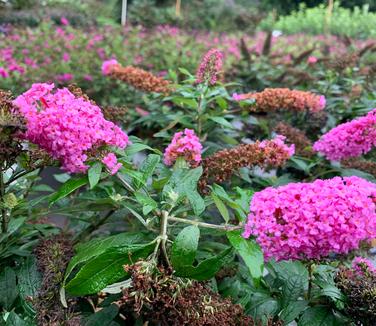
(108,65)
(312,59)
(313,220)
(88,77)
(142,112)
(65,126)
(64,77)
(66,57)
(3,73)
(360,262)
(350,139)
(184,144)
(238,97)
(64,21)
(111,162)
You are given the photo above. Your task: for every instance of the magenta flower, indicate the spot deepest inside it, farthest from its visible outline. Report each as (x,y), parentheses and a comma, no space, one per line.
(184,144)
(66,57)
(64,21)
(65,126)
(111,162)
(312,220)
(350,139)
(312,60)
(108,65)
(3,73)
(210,67)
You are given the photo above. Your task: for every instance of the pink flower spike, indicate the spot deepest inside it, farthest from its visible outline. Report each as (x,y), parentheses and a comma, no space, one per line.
(184,144)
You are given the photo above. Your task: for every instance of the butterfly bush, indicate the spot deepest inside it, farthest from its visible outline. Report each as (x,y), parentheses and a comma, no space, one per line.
(210,67)
(350,139)
(184,144)
(272,99)
(67,127)
(312,220)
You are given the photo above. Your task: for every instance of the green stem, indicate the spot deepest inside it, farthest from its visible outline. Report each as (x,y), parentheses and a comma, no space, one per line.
(206,225)
(4,217)
(17,176)
(163,235)
(199,121)
(125,183)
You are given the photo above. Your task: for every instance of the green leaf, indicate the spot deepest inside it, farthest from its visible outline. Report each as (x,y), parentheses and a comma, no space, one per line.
(29,282)
(138,147)
(357,173)
(250,251)
(104,317)
(318,316)
(292,311)
(287,269)
(222,121)
(262,304)
(15,320)
(8,288)
(147,168)
(292,289)
(68,187)
(106,268)
(184,182)
(185,246)
(189,102)
(148,203)
(221,207)
(15,224)
(207,268)
(221,102)
(185,72)
(96,247)
(94,174)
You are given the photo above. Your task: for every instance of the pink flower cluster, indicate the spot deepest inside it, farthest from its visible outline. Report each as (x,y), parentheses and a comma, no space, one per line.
(210,67)
(67,127)
(279,141)
(350,139)
(111,162)
(184,144)
(108,65)
(360,263)
(312,220)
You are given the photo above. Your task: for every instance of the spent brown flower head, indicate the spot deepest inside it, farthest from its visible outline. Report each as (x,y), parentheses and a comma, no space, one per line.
(11,124)
(342,62)
(53,256)
(220,166)
(116,114)
(303,146)
(273,99)
(360,290)
(160,297)
(141,79)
